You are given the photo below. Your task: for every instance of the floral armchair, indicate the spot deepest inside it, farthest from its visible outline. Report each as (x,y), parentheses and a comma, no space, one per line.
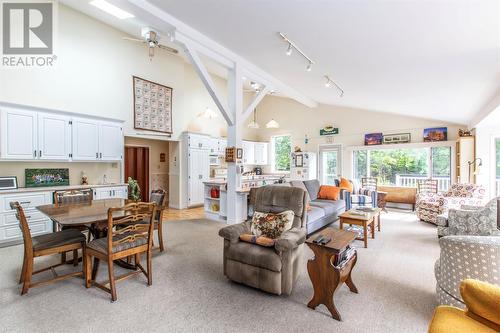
(470,220)
(430,205)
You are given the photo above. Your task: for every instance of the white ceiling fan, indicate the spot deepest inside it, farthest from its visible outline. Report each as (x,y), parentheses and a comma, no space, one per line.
(151,39)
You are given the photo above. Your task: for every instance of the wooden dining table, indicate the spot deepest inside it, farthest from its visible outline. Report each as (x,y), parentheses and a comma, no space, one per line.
(93,215)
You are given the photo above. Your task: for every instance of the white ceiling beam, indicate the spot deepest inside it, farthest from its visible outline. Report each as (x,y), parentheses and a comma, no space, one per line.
(216,48)
(208,82)
(253,104)
(183,39)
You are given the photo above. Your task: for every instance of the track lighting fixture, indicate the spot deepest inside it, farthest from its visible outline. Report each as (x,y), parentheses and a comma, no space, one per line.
(292,46)
(309,67)
(329,82)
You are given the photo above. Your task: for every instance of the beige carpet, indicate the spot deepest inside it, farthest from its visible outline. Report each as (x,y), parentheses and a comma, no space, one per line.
(189,293)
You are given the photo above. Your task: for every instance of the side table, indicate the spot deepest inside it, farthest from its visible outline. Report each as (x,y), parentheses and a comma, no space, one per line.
(381,203)
(325,277)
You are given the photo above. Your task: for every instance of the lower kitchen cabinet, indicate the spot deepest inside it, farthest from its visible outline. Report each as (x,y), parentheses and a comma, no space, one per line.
(39,224)
(115,192)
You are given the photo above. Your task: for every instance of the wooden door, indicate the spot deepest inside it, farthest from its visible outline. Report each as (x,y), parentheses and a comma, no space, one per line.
(137,167)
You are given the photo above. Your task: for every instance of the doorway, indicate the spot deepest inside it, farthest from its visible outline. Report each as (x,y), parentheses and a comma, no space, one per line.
(137,167)
(330,157)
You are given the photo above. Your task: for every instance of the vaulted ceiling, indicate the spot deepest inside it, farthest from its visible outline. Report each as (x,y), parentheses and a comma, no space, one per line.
(437,59)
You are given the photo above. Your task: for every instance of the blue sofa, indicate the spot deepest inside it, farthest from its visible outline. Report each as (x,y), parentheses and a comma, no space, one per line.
(322,212)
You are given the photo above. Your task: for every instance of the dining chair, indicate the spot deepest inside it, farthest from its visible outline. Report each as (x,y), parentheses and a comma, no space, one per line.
(74,197)
(125,238)
(159,197)
(43,245)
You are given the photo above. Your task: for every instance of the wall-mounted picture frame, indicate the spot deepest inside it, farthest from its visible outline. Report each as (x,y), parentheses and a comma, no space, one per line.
(230,154)
(46,177)
(152,106)
(299,161)
(373,139)
(435,134)
(397,138)
(8,183)
(239,153)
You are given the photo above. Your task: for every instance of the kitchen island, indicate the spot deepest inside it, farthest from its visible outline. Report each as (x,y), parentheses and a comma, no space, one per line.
(215,195)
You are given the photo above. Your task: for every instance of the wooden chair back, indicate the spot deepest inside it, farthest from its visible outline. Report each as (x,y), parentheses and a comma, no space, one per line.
(124,231)
(369,183)
(427,186)
(73,196)
(23,224)
(159,197)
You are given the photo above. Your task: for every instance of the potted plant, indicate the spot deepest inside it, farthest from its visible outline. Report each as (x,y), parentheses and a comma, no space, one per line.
(134,192)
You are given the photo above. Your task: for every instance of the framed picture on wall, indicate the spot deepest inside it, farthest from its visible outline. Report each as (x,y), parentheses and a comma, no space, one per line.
(436,134)
(373,139)
(152,106)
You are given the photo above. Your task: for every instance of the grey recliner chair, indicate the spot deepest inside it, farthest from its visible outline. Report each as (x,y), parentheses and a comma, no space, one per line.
(271,269)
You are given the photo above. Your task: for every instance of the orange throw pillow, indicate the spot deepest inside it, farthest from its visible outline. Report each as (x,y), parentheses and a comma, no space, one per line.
(346,185)
(329,192)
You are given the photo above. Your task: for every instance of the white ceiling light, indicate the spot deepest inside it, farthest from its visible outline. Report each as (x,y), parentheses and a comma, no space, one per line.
(329,82)
(111,9)
(255,86)
(254,124)
(273,124)
(292,46)
(208,113)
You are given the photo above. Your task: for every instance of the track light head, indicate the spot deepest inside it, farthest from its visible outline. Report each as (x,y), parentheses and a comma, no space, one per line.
(309,66)
(289,49)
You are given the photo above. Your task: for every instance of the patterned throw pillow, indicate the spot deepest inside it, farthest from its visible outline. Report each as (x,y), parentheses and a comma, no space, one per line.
(259,240)
(271,225)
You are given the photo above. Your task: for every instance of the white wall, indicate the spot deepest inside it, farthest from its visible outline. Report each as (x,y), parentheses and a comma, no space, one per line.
(298,120)
(93,76)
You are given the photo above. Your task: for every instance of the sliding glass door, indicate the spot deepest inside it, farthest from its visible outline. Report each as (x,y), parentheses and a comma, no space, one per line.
(329,163)
(405,166)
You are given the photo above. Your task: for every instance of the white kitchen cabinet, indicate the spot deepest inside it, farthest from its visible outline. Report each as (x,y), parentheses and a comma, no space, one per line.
(112,192)
(222,146)
(198,171)
(110,141)
(214,145)
(85,139)
(54,137)
(198,141)
(37,222)
(18,134)
(248,152)
(261,153)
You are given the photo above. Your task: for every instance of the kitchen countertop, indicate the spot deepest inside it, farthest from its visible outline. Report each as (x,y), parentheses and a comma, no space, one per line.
(58,188)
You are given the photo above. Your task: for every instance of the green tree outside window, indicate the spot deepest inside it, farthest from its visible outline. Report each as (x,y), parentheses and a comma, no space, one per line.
(282,149)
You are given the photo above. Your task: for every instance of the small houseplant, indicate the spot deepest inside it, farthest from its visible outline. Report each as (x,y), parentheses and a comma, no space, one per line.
(134,192)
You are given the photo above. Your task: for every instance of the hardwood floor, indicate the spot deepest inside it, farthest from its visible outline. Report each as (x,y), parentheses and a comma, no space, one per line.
(171,214)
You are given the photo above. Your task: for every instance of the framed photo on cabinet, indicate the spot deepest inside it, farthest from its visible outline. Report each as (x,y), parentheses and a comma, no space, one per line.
(152,106)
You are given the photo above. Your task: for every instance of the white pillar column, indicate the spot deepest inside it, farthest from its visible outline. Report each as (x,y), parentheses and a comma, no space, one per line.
(234,139)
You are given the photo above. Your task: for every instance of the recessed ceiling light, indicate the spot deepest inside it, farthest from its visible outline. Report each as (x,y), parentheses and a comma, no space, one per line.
(111,9)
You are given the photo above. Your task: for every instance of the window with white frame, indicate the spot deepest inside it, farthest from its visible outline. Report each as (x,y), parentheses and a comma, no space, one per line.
(404,166)
(281,147)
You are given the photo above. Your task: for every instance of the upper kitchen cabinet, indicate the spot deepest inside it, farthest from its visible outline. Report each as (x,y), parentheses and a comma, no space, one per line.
(199,141)
(110,141)
(18,134)
(85,139)
(248,152)
(95,140)
(261,153)
(54,136)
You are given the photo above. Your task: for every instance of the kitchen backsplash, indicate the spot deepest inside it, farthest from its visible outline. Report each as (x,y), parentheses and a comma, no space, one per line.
(94,171)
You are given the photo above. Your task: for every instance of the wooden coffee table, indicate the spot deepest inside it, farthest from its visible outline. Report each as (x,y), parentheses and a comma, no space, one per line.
(325,277)
(371,218)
